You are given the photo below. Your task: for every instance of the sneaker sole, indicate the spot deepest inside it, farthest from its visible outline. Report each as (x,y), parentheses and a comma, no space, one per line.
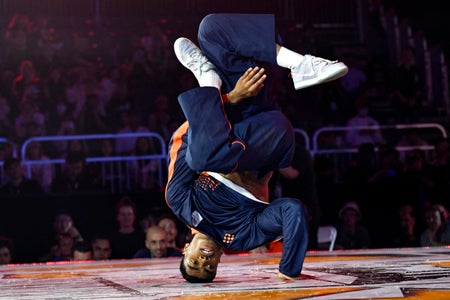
(177,50)
(329,77)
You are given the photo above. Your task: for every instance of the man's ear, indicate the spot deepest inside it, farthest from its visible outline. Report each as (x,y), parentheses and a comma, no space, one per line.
(186,246)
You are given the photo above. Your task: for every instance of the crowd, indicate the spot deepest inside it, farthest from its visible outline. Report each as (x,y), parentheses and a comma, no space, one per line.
(56,81)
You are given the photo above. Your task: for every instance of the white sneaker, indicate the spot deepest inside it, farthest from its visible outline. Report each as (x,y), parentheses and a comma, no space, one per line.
(193,59)
(314,70)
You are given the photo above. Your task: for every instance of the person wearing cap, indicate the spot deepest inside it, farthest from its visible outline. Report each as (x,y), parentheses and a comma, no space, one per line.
(351,234)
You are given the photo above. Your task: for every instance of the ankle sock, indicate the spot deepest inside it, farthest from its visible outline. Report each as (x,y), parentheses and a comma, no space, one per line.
(288,59)
(210,78)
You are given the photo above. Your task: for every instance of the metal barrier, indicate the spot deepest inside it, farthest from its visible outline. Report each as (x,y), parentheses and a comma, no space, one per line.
(115,170)
(341,155)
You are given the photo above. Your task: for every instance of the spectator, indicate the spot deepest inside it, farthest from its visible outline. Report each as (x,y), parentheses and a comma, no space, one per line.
(389,167)
(408,88)
(144,172)
(162,118)
(109,173)
(130,123)
(65,234)
(63,224)
(62,251)
(437,231)
(82,251)
(101,247)
(440,171)
(362,167)
(75,92)
(405,234)
(355,81)
(6,250)
(74,178)
(6,127)
(17,44)
(156,245)
(415,181)
(147,221)
(126,240)
(356,137)
(350,233)
(29,114)
(42,173)
(91,120)
(16,182)
(174,238)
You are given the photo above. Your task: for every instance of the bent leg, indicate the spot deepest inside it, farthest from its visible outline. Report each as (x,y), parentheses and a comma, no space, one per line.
(233,42)
(287,217)
(210,145)
(270,142)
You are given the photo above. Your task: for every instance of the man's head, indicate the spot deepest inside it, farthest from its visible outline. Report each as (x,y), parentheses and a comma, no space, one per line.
(201,259)
(101,247)
(156,241)
(6,250)
(62,222)
(82,251)
(170,226)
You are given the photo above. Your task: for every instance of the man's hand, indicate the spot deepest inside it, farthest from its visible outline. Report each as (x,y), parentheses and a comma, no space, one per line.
(248,85)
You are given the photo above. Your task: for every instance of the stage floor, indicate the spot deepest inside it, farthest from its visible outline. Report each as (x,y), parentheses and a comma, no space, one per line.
(366,274)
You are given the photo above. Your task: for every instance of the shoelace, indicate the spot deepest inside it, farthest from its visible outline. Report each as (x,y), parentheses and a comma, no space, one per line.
(197,61)
(319,60)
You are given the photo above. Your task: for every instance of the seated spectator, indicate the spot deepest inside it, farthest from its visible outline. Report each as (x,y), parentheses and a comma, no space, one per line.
(17,183)
(405,234)
(362,167)
(65,234)
(74,177)
(63,223)
(126,240)
(62,251)
(350,233)
(144,172)
(416,182)
(356,137)
(156,245)
(130,123)
(101,247)
(82,251)
(6,250)
(147,221)
(437,232)
(42,173)
(389,167)
(175,239)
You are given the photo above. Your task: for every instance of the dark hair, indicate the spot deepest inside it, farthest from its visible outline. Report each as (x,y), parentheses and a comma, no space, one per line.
(82,247)
(100,236)
(8,243)
(193,279)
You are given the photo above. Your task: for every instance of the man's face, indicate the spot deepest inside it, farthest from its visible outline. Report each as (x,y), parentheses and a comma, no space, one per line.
(202,256)
(101,249)
(170,227)
(156,242)
(5,256)
(62,223)
(126,216)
